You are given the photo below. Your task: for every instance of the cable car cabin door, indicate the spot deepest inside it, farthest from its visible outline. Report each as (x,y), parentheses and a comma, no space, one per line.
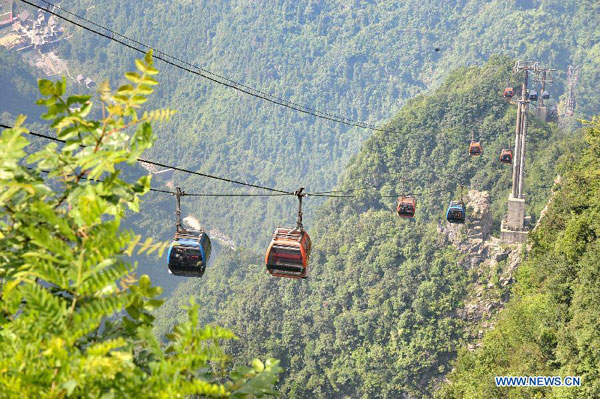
(288,253)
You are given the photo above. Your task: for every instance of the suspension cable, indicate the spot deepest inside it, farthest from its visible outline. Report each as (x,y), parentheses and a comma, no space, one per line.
(162,56)
(175,167)
(275,192)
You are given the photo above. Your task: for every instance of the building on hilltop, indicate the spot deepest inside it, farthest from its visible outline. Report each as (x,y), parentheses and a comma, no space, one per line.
(7,12)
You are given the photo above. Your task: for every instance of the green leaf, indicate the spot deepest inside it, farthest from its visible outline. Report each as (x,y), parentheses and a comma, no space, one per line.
(46,87)
(77,100)
(138,99)
(148,57)
(19,121)
(134,77)
(145,89)
(60,87)
(149,81)
(69,386)
(140,66)
(258,365)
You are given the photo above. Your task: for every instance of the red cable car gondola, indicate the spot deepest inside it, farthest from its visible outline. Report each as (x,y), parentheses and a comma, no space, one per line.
(509,92)
(406,206)
(506,156)
(289,250)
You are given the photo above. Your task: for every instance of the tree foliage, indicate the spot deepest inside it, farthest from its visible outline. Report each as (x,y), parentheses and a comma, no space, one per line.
(74,319)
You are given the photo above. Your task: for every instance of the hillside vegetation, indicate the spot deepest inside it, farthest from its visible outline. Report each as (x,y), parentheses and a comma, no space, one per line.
(361,59)
(551,325)
(377,317)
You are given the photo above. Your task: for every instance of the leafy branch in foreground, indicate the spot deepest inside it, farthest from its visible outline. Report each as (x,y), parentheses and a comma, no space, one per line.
(74,320)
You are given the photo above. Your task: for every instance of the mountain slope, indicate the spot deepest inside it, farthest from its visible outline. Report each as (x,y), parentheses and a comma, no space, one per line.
(378,316)
(361,59)
(550,326)
(19,88)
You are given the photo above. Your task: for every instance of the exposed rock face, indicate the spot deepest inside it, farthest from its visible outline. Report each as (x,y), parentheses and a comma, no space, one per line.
(492,262)
(194,223)
(222,237)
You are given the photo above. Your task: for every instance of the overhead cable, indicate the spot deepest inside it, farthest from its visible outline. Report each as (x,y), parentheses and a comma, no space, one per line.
(283,192)
(156,190)
(185,66)
(276,192)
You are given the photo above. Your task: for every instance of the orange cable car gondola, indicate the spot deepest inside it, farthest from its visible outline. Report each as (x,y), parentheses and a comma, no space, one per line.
(289,250)
(506,156)
(509,92)
(406,206)
(475,148)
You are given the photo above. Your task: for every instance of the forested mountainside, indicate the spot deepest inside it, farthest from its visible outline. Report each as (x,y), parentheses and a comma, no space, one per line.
(361,59)
(378,316)
(18,85)
(551,324)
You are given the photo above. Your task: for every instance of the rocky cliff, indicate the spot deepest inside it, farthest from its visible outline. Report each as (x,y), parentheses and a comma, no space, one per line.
(491,263)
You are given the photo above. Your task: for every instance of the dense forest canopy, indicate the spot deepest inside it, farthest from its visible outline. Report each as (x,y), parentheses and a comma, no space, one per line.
(552,320)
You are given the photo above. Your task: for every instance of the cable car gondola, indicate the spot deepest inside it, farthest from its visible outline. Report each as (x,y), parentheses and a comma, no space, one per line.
(456,212)
(506,156)
(289,250)
(545,95)
(509,92)
(190,250)
(533,95)
(475,148)
(406,206)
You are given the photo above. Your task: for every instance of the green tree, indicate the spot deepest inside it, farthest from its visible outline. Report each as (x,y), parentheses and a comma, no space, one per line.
(74,320)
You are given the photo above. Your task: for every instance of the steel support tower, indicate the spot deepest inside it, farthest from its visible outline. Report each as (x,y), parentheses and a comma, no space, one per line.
(513,226)
(572,76)
(543,76)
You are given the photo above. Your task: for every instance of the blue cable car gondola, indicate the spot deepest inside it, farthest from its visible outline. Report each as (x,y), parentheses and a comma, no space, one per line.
(190,250)
(456,212)
(189,253)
